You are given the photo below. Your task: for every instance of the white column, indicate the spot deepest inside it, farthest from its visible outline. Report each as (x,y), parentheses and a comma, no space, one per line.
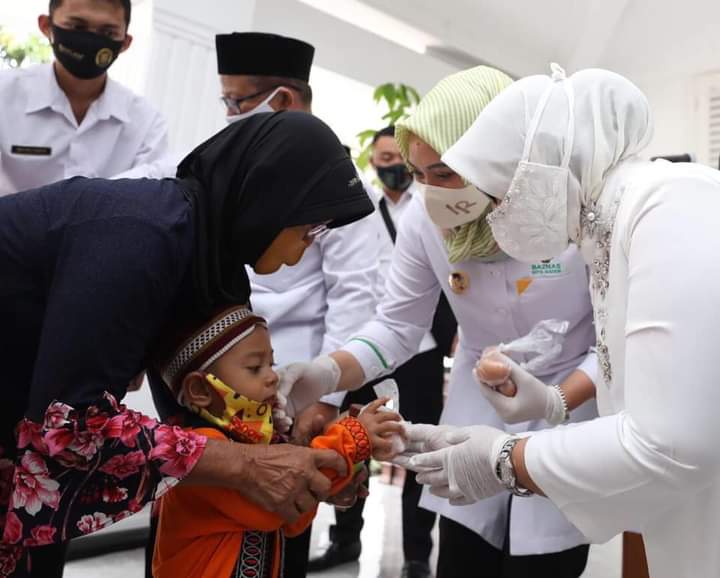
(182,76)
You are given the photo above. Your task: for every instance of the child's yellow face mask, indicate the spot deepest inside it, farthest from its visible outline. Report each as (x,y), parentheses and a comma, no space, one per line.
(244,419)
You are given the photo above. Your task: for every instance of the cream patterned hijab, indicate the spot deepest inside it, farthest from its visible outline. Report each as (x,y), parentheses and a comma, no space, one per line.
(441,118)
(612,123)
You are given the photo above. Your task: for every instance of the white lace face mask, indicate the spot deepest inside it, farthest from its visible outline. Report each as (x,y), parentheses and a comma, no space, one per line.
(531,222)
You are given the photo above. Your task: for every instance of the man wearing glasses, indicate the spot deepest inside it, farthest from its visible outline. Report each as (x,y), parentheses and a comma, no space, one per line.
(263,73)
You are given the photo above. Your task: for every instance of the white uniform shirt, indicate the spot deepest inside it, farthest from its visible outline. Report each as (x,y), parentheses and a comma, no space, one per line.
(494,309)
(653,463)
(396,211)
(41,142)
(316,305)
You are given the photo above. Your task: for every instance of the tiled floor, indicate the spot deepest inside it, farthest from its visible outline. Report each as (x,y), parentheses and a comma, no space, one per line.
(381,557)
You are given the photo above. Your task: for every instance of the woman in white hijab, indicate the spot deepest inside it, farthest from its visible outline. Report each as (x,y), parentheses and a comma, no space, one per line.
(560,157)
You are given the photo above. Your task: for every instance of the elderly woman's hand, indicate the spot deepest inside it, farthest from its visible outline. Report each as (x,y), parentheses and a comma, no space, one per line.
(281,478)
(347,497)
(312,422)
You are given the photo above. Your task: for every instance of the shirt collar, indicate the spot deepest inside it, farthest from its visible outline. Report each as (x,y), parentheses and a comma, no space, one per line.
(405,197)
(113,102)
(45,92)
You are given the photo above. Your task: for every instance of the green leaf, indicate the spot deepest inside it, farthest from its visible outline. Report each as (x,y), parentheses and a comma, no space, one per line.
(365,135)
(391,96)
(393,116)
(378,93)
(404,96)
(35,49)
(414,96)
(400,100)
(382,92)
(363,158)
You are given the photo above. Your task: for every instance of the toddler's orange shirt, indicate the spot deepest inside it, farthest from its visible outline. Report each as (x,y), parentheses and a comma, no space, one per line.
(212,532)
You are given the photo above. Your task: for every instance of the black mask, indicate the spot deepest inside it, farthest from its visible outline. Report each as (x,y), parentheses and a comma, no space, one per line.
(395,177)
(84,54)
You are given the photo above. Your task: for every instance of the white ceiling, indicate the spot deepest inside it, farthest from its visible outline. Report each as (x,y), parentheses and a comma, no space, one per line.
(522,36)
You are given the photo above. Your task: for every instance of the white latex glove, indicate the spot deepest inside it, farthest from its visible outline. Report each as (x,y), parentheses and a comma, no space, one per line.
(421,438)
(302,384)
(282,422)
(465,471)
(532,400)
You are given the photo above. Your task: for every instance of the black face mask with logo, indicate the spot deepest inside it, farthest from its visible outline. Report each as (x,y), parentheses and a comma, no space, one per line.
(395,177)
(84,54)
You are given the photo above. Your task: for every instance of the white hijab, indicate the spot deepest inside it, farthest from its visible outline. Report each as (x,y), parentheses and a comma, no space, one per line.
(611,123)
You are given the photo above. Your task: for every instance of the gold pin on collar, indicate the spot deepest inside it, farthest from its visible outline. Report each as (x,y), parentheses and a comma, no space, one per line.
(459,282)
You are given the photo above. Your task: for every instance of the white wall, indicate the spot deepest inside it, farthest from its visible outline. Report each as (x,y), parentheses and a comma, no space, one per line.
(131,67)
(347,49)
(673,106)
(349,63)
(182,69)
(345,104)
(20,18)
(664,47)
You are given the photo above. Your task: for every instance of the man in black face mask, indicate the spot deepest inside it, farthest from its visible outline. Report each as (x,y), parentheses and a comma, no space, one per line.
(69,118)
(389,166)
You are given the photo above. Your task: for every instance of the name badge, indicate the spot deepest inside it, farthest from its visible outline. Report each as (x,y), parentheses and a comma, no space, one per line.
(551,269)
(31,151)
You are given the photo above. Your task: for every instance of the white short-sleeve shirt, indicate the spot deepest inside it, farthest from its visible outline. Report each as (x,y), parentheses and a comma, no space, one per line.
(41,141)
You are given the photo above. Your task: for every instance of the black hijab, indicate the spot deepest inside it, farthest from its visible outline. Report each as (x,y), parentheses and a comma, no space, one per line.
(255,178)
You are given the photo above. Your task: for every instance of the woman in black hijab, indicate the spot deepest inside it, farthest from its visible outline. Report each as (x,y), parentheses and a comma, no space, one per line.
(92,272)
(247,185)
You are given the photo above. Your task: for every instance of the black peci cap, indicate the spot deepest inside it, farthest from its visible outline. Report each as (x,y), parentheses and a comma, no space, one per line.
(261,54)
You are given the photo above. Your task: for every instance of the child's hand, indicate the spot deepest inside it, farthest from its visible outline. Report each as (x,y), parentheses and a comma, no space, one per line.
(381,425)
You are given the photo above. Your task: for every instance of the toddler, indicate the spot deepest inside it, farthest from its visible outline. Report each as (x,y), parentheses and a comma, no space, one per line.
(223,373)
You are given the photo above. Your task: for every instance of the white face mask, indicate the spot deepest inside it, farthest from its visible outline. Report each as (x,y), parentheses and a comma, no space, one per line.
(449,208)
(531,222)
(264,106)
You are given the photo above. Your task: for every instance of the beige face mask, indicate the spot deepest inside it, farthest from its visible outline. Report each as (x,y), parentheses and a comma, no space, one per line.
(450,208)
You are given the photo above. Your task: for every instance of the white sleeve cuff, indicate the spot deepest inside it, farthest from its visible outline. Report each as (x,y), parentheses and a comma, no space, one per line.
(590,367)
(369,357)
(604,478)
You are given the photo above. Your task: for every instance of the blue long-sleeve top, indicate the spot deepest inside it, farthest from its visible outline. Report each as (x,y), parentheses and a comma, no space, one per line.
(90,272)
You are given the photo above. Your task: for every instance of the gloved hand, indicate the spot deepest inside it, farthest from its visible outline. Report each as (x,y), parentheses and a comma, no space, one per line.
(421,438)
(282,422)
(302,384)
(465,471)
(532,398)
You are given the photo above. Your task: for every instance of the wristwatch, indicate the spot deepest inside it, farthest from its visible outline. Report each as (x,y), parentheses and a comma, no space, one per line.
(505,471)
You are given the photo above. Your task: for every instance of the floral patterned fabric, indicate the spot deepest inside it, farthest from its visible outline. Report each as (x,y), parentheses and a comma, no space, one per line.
(81,470)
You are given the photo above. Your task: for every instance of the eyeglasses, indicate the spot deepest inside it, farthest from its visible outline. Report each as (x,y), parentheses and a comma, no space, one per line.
(233,104)
(316,232)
